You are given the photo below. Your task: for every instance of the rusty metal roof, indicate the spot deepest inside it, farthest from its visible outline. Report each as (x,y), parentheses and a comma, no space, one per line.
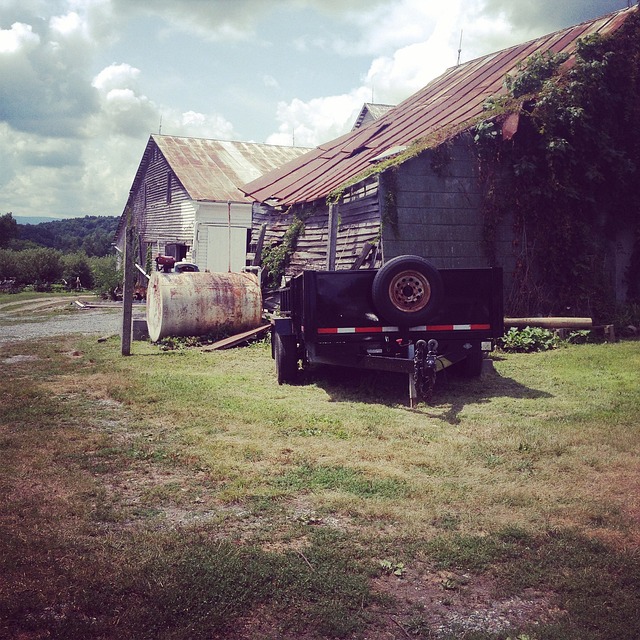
(444,105)
(212,170)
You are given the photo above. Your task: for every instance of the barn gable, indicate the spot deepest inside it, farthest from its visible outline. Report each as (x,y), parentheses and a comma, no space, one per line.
(185,193)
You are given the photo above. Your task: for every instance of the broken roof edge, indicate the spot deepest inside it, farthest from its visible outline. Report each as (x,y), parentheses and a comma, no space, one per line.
(283,170)
(429,142)
(400,155)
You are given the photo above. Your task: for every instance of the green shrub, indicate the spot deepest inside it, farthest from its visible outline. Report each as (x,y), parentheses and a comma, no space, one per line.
(76,265)
(529,339)
(39,267)
(106,275)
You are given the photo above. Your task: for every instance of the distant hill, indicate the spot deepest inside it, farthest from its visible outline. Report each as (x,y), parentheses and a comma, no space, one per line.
(91,234)
(34,219)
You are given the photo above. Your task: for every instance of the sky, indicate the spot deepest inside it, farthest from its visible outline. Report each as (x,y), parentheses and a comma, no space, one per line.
(84,83)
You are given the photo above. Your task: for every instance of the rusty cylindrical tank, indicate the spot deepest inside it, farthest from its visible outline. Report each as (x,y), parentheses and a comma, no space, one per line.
(193,304)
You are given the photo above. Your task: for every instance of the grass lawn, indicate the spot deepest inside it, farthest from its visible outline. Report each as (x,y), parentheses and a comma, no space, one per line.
(185,495)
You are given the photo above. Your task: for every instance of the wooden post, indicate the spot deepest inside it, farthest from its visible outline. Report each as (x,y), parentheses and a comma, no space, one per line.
(333,237)
(229,232)
(127,291)
(257,257)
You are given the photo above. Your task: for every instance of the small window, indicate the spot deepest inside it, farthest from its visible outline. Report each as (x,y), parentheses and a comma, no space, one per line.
(169,185)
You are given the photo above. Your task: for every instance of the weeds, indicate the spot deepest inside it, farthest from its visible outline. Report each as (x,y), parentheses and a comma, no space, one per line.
(529,339)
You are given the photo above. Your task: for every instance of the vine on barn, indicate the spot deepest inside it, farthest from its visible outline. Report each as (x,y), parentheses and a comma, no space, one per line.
(569,176)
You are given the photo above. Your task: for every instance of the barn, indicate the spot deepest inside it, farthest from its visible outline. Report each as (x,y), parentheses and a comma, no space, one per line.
(185,202)
(525,158)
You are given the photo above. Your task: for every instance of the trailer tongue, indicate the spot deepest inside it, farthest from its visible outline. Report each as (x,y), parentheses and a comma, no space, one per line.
(406,317)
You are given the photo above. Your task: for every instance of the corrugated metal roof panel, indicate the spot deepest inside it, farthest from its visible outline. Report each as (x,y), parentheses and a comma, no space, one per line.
(212,170)
(447,102)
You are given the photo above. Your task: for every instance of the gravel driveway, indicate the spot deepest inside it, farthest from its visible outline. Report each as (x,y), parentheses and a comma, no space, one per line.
(25,321)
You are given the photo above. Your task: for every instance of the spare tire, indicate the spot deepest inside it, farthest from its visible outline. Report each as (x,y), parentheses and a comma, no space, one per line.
(407,290)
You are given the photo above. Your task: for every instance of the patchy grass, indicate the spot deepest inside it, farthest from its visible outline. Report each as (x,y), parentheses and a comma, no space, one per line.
(186,495)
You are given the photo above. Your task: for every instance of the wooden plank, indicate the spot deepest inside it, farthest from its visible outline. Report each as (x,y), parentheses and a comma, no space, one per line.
(366,250)
(257,258)
(333,234)
(239,338)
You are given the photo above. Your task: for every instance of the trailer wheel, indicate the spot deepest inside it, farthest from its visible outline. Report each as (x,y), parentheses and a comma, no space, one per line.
(286,357)
(407,290)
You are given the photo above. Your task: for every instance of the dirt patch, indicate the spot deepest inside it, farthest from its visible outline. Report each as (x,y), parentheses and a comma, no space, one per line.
(18,359)
(433,603)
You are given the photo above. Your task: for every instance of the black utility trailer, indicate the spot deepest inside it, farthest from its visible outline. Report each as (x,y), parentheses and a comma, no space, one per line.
(406,317)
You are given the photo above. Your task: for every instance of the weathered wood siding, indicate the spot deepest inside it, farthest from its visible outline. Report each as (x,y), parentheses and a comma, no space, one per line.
(162,211)
(358,223)
(438,212)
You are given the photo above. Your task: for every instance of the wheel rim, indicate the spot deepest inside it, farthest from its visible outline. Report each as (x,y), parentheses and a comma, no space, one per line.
(409,291)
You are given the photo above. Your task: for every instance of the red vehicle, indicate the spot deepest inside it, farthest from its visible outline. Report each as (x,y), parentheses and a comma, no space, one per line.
(406,317)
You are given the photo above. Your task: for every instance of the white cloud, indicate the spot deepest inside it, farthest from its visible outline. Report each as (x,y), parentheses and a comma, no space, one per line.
(19,37)
(200,125)
(397,25)
(389,79)
(310,123)
(116,76)
(37,173)
(67,25)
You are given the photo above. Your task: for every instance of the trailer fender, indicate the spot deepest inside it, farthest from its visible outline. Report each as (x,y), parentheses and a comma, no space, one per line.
(285,353)
(407,290)
(283,326)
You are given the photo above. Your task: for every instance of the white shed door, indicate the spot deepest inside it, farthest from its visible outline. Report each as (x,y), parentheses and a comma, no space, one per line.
(226,248)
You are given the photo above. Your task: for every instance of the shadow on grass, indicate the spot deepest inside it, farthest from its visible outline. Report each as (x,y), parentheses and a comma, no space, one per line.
(452,391)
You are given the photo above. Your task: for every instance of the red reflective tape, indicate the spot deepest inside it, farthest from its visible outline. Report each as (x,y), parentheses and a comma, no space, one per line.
(452,327)
(378,329)
(337,330)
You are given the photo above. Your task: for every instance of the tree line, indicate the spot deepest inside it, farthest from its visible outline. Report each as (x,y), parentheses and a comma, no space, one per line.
(66,254)
(92,235)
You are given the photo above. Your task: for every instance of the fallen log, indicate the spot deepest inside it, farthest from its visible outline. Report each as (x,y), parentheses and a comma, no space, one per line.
(550,323)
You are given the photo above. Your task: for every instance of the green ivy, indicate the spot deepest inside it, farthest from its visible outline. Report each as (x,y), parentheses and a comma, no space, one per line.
(569,176)
(389,184)
(276,256)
